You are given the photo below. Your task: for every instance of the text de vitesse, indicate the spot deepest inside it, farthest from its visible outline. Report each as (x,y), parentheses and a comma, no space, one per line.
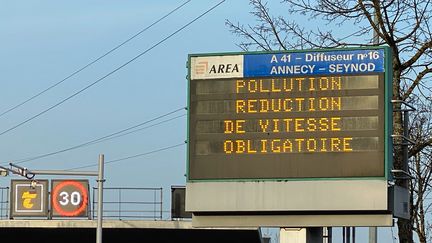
(277,125)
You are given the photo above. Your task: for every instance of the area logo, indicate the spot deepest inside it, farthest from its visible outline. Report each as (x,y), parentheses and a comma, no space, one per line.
(217,67)
(203,68)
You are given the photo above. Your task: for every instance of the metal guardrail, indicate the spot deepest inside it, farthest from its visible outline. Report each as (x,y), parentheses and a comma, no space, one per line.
(4,202)
(130,203)
(120,203)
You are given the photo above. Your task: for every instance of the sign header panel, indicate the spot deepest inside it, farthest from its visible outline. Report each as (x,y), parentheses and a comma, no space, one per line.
(289,115)
(314,63)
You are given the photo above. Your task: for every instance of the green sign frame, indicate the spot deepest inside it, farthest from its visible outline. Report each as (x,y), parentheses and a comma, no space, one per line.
(386,90)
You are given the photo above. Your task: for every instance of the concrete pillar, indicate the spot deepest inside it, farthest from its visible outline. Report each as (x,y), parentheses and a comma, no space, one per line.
(301,235)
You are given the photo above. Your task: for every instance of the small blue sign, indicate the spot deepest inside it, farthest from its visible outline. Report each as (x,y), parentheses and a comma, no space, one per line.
(314,63)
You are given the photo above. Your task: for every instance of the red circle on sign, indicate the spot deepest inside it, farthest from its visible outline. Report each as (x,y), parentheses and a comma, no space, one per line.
(59,208)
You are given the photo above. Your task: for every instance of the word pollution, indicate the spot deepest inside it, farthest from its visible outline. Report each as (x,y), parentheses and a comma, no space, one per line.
(278,85)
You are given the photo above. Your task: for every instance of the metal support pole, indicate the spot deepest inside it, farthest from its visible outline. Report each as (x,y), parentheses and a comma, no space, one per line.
(353,234)
(100,182)
(375,34)
(373,230)
(120,202)
(405,145)
(161,199)
(348,234)
(373,235)
(343,235)
(94,203)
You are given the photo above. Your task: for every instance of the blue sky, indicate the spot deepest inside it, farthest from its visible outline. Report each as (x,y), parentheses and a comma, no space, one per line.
(44,41)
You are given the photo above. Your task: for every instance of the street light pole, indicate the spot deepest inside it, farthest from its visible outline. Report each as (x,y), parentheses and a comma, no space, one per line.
(100,181)
(373,231)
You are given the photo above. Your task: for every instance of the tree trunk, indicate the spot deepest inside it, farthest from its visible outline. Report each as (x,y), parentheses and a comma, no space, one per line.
(405,231)
(404,225)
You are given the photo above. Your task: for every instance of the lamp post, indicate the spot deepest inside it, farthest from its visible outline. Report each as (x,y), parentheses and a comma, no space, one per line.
(100,182)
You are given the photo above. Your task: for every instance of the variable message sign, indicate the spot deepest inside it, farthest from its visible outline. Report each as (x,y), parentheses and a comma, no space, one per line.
(295,138)
(69,198)
(289,115)
(29,198)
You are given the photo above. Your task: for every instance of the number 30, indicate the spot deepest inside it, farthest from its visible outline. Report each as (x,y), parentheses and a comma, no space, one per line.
(75,198)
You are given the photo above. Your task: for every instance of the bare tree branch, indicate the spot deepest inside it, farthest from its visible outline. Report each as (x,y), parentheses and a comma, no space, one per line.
(415,83)
(420,52)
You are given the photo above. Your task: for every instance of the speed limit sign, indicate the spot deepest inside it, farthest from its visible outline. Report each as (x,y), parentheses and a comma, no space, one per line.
(69,198)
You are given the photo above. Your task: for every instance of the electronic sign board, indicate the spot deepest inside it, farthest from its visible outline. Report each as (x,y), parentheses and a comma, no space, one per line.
(289,115)
(29,198)
(69,198)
